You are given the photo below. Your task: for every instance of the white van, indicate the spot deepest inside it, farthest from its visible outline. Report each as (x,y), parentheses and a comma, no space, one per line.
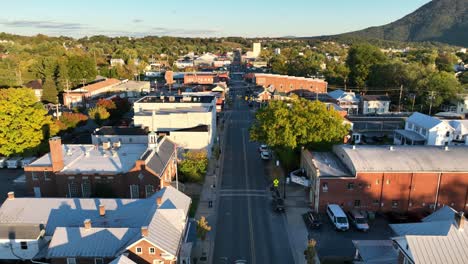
(337,217)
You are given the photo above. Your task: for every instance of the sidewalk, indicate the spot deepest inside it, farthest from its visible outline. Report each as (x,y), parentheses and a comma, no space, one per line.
(203,250)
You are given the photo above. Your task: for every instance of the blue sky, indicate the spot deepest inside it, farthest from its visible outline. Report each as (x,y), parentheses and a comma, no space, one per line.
(200,18)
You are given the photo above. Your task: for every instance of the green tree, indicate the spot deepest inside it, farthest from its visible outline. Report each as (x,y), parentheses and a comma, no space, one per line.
(336,73)
(361,58)
(278,65)
(49,91)
(445,62)
(81,68)
(98,114)
(299,122)
(439,87)
(194,165)
(202,228)
(24,123)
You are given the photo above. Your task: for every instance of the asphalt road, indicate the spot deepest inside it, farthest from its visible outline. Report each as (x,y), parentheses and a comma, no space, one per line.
(247,228)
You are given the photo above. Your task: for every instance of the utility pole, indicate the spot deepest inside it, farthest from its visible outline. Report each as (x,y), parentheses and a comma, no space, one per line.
(430,105)
(399,100)
(414,100)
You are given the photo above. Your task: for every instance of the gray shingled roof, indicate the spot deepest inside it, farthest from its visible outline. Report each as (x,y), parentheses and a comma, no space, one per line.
(437,240)
(160,158)
(20,231)
(367,158)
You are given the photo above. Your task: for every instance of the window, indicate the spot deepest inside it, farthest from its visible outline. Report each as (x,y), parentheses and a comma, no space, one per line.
(325,187)
(139,250)
(375,202)
(368,186)
(447,134)
(394,204)
(47,175)
(350,186)
(86,188)
(134,191)
(152,250)
(24,245)
(149,189)
(98,261)
(71,260)
(357,203)
(388,181)
(34,176)
(73,189)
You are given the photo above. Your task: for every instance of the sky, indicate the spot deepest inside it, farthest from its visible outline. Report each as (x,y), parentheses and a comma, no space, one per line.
(199,18)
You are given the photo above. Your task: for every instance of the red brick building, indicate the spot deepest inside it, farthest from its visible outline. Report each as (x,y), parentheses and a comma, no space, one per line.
(200,78)
(383,178)
(286,84)
(78,96)
(110,169)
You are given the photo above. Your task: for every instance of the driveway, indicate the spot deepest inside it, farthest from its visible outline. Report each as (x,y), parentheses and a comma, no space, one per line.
(334,243)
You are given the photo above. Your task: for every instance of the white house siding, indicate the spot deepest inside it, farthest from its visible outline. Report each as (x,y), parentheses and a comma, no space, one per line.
(437,135)
(192,140)
(371,107)
(11,249)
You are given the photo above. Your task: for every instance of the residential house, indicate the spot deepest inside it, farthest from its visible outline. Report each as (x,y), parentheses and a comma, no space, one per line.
(83,230)
(374,104)
(440,238)
(346,100)
(421,129)
(188,120)
(36,85)
(107,168)
(460,131)
(388,178)
(117,62)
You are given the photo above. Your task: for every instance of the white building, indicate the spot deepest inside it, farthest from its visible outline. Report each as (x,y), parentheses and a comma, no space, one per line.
(182,64)
(277,51)
(205,59)
(421,129)
(189,120)
(346,100)
(257,49)
(375,104)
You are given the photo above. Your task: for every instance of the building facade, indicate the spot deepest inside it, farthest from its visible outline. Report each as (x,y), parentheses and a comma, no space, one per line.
(107,169)
(375,104)
(387,178)
(286,84)
(78,96)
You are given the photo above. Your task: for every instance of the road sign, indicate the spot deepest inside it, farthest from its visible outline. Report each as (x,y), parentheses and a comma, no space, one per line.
(275,182)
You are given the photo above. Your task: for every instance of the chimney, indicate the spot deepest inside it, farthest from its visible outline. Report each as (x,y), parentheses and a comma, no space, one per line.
(56,155)
(460,220)
(102,210)
(87,224)
(159,201)
(144,231)
(11,195)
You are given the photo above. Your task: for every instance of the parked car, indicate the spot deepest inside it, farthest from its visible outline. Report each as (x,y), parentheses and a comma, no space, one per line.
(358,220)
(263,147)
(13,163)
(3,161)
(312,220)
(278,204)
(265,155)
(337,217)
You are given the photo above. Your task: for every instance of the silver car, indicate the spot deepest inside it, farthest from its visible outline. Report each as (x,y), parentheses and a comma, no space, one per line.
(358,220)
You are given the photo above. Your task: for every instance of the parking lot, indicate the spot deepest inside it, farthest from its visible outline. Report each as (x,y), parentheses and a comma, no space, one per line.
(334,243)
(8,183)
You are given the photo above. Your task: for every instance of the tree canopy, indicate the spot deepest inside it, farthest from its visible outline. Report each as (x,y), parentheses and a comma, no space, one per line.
(299,122)
(24,123)
(361,57)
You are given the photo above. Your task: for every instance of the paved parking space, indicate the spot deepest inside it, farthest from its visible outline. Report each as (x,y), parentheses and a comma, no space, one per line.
(8,183)
(333,243)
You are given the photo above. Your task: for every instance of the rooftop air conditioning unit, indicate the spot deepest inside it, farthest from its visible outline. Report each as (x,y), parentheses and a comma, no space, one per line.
(106,145)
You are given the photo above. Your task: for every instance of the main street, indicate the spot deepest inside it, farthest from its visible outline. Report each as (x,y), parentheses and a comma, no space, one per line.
(247,228)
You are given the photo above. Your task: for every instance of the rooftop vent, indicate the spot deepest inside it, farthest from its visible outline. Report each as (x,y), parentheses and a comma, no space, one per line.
(446,148)
(69,152)
(87,153)
(117,144)
(354,146)
(87,224)
(392,148)
(106,145)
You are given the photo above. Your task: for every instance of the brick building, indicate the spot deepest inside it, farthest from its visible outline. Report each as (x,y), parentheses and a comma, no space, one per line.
(109,169)
(95,231)
(200,78)
(286,84)
(78,96)
(384,178)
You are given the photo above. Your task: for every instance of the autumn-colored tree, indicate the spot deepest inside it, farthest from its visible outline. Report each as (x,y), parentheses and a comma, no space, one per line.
(98,114)
(109,105)
(71,120)
(24,122)
(310,252)
(202,228)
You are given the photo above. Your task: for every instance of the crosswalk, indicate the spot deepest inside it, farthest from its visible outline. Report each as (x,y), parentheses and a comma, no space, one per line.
(242,193)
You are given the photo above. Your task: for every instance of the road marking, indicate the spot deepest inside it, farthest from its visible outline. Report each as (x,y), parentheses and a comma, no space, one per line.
(242,195)
(242,190)
(249,207)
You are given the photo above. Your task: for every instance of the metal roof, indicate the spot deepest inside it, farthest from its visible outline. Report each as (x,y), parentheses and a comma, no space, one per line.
(423,120)
(410,134)
(162,156)
(93,242)
(376,251)
(367,158)
(20,231)
(437,240)
(122,259)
